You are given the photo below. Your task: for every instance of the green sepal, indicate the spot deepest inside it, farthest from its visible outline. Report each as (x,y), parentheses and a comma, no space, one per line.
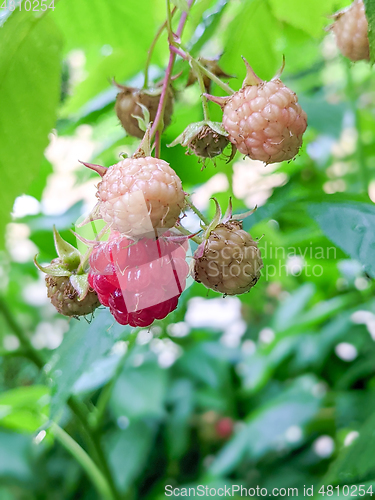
(193,130)
(215,221)
(67,253)
(218,127)
(53,269)
(144,148)
(229,212)
(80,284)
(244,215)
(143,121)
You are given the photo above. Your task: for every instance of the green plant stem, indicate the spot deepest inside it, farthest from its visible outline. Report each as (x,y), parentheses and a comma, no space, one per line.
(169,21)
(206,112)
(196,211)
(210,75)
(351,93)
(85,461)
(152,47)
(157,126)
(186,232)
(77,407)
(29,350)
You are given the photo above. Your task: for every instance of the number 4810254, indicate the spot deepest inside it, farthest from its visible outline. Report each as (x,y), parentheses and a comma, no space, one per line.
(354,490)
(28,5)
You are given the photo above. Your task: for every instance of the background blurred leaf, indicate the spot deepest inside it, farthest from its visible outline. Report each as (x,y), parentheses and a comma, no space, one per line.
(83,344)
(255,42)
(311,17)
(356,462)
(370,14)
(181,396)
(139,391)
(114,40)
(266,426)
(15,463)
(349,226)
(128,451)
(24,408)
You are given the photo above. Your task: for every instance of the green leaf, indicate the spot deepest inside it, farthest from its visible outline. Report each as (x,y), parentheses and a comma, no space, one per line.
(291,308)
(30,53)
(255,41)
(99,373)
(128,451)
(207,27)
(24,408)
(139,391)
(326,118)
(181,4)
(356,462)
(91,24)
(309,16)
(181,396)
(351,227)
(114,36)
(15,463)
(83,344)
(370,14)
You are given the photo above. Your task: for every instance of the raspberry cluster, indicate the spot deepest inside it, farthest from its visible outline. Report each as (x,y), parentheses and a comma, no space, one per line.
(139,281)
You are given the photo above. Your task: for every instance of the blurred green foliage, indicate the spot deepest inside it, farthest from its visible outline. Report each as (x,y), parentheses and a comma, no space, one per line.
(298,380)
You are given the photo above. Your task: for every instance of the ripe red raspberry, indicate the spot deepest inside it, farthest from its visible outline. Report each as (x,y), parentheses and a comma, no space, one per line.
(139,195)
(229,260)
(350,28)
(224,427)
(139,281)
(263,119)
(65,298)
(127,107)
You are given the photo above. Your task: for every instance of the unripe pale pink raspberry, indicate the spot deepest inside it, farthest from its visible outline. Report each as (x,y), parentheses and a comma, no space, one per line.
(138,195)
(230,262)
(66,282)
(65,298)
(350,28)
(263,119)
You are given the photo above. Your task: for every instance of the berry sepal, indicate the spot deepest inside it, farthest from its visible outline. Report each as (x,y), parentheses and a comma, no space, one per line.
(69,255)
(80,284)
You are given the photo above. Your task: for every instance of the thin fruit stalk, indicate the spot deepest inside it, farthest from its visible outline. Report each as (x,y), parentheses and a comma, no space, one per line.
(167,79)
